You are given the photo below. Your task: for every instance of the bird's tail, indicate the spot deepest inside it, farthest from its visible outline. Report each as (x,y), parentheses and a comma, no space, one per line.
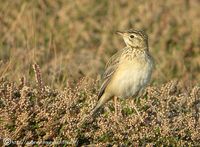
(103,99)
(89,118)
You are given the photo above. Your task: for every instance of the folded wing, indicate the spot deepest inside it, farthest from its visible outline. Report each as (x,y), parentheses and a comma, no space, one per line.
(111,67)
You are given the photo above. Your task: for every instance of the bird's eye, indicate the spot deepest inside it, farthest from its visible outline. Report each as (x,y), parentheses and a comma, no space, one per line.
(132,36)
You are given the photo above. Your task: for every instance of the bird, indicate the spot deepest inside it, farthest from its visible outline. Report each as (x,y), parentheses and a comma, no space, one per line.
(128,71)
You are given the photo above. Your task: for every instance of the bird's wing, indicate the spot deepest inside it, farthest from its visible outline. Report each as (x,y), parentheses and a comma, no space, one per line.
(111,67)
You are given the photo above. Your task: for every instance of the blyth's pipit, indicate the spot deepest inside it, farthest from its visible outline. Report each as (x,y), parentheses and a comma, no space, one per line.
(128,71)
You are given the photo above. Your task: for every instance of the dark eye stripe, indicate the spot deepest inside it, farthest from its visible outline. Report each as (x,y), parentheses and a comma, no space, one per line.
(139,32)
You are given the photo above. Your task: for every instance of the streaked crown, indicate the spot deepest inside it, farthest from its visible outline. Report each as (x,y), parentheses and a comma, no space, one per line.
(135,38)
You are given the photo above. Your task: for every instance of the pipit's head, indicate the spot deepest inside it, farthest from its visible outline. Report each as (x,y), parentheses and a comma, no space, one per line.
(134,38)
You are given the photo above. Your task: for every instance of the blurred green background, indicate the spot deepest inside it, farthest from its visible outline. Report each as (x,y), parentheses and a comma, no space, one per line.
(74,38)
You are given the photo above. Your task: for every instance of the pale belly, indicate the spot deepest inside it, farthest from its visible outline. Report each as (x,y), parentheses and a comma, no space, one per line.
(130,78)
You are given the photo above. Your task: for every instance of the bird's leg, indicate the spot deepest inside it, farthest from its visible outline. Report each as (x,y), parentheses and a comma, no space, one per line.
(132,103)
(115,101)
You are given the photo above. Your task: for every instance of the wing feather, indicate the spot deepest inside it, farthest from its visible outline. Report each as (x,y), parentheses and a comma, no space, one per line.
(111,67)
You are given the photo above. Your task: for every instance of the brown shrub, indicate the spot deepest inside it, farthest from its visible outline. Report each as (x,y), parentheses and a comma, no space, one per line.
(171,115)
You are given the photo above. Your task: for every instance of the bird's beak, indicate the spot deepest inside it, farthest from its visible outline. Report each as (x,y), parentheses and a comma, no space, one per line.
(120,33)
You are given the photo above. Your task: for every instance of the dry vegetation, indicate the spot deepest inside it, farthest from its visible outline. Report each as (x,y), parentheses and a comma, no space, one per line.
(71,41)
(170,113)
